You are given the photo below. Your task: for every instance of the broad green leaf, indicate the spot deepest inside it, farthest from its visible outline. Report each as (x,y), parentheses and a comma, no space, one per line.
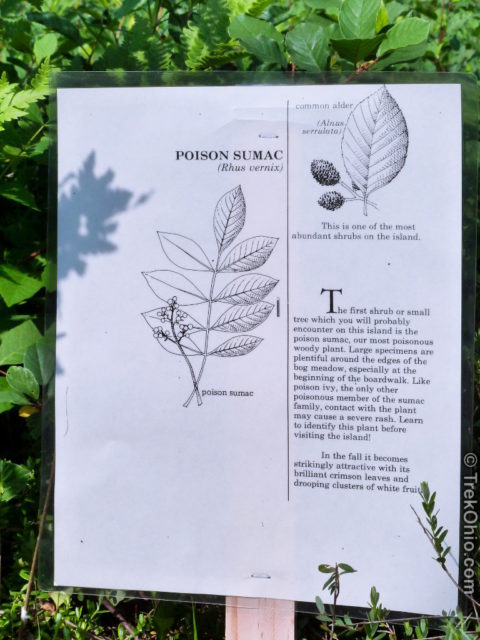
(40,360)
(324,4)
(382,18)
(407,32)
(258,37)
(346,568)
(18,192)
(307,43)
(355,50)
(404,54)
(358,18)
(45,46)
(23,381)
(127,7)
(13,479)
(16,285)
(5,406)
(56,23)
(395,9)
(16,341)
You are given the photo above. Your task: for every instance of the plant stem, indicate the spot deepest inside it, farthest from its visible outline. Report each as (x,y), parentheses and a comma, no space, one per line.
(192,372)
(356,197)
(125,624)
(24,610)
(471,599)
(207,330)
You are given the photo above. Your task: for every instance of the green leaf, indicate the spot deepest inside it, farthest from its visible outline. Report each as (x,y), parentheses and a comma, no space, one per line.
(355,50)
(259,38)
(45,46)
(358,18)
(346,568)
(5,406)
(324,4)
(395,9)
(320,605)
(8,395)
(56,23)
(22,381)
(325,568)
(382,18)
(40,360)
(13,479)
(307,43)
(16,341)
(17,286)
(18,192)
(407,32)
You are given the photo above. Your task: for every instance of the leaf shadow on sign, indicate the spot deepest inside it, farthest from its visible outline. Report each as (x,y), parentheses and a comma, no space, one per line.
(88,208)
(89,205)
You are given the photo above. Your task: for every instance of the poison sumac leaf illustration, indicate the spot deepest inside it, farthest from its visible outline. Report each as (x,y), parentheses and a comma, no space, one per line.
(229,217)
(243,318)
(249,254)
(246,289)
(154,319)
(174,328)
(237,346)
(375,142)
(163,282)
(184,252)
(188,346)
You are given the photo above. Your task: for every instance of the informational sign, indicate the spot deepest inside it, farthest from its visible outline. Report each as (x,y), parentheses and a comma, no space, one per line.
(259,338)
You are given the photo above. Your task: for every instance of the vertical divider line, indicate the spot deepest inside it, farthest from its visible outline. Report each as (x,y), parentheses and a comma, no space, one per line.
(288,303)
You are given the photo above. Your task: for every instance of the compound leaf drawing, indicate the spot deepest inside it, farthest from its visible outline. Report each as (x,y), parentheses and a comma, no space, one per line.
(237,346)
(164,282)
(243,318)
(249,254)
(374,143)
(184,252)
(173,327)
(229,217)
(246,289)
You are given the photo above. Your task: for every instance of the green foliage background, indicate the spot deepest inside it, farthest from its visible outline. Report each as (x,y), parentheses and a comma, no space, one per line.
(38,38)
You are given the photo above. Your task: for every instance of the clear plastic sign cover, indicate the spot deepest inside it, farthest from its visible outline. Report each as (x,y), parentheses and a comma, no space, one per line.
(258,338)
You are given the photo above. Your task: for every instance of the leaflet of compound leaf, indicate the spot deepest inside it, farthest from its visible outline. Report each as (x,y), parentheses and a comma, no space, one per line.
(175,324)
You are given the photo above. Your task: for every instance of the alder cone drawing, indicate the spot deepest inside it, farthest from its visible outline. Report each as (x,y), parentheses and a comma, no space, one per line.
(374,142)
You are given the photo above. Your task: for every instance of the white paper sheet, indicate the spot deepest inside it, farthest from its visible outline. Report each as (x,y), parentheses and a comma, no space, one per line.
(331,383)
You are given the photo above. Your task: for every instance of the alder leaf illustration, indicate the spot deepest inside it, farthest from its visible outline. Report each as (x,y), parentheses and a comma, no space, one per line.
(154,319)
(184,252)
(229,217)
(374,143)
(243,318)
(249,254)
(246,289)
(165,283)
(237,346)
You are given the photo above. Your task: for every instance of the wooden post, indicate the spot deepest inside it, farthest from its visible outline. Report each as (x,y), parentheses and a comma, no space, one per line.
(259,619)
